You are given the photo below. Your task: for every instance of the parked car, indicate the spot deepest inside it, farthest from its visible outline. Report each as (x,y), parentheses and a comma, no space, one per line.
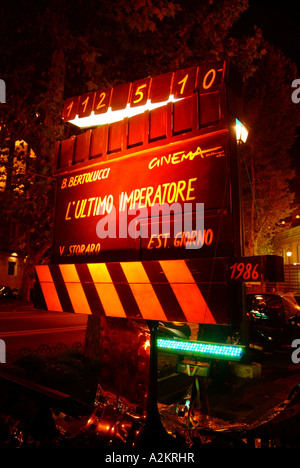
(5,292)
(297,297)
(274,320)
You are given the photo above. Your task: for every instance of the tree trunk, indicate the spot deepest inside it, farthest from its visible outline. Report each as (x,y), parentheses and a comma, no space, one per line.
(252,213)
(29,273)
(92,337)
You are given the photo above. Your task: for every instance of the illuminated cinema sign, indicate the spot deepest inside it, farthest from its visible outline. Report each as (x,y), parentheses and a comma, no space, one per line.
(155,205)
(153,180)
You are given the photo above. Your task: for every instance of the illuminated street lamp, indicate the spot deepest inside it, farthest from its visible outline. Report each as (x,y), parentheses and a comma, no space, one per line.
(241,132)
(289,254)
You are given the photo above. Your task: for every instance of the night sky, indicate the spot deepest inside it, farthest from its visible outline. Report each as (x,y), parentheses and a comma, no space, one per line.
(279,22)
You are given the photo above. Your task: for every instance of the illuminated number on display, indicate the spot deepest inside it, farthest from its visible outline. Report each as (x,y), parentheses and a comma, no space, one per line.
(255,274)
(207,84)
(69,109)
(100,103)
(139,93)
(84,104)
(183,81)
(245,271)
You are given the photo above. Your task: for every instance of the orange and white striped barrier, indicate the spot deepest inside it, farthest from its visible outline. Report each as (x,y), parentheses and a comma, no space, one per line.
(151,290)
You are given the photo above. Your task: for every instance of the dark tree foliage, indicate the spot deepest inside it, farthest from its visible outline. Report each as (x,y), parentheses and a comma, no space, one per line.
(267,166)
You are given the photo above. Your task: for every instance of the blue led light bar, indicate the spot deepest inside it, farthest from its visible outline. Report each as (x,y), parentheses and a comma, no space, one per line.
(212,350)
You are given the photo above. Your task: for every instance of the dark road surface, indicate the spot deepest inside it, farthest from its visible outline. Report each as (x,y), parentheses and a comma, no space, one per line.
(26,328)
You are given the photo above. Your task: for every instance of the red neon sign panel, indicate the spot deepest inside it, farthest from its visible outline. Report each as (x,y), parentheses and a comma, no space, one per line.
(112,196)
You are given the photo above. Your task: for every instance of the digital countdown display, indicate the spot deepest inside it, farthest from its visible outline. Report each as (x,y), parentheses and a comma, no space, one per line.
(129,99)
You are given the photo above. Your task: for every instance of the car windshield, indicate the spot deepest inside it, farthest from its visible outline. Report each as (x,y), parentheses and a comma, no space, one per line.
(268,308)
(297,298)
(291,307)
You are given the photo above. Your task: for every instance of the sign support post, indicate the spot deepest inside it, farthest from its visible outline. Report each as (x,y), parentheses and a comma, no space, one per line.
(153,431)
